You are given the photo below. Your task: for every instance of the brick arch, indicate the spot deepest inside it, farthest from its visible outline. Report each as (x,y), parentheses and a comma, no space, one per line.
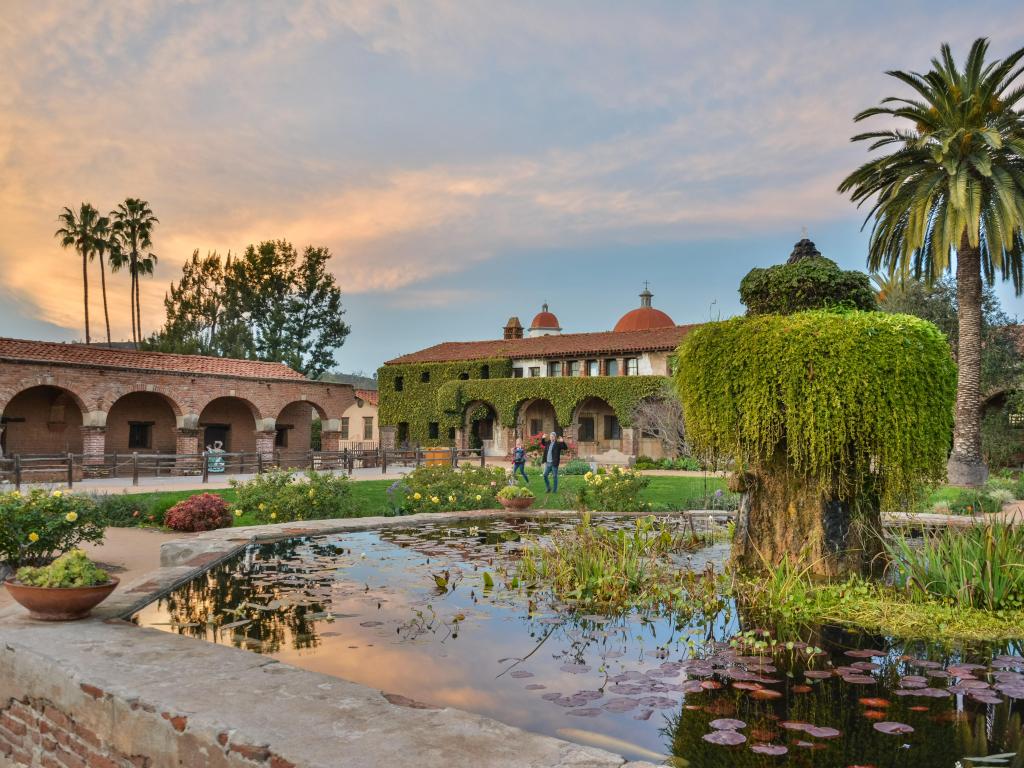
(257,414)
(115,393)
(84,403)
(321,411)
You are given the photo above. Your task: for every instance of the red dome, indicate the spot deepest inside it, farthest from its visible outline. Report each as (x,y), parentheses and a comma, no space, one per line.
(546,320)
(643,319)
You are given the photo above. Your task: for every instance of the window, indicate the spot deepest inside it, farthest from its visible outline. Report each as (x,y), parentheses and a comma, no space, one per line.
(281,437)
(593,368)
(425,376)
(611,367)
(517,373)
(586,430)
(612,430)
(485,372)
(534,371)
(140,434)
(632,366)
(536,426)
(403,432)
(399,383)
(344,427)
(485,429)
(367,427)
(555,368)
(574,367)
(433,430)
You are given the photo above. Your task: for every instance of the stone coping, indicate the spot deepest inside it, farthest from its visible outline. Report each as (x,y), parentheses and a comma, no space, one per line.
(224,699)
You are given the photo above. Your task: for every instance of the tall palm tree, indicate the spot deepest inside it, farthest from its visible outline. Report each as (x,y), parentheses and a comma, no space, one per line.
(101,245)
(133,228)
(953,185)
(887,284)
(81,232)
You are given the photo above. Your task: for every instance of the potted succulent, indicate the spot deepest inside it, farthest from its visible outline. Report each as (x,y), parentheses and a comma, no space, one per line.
(65,590)
(516,497)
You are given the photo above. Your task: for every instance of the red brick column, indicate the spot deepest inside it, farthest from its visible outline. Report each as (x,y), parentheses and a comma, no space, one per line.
(94,443)
(186,444)
(630,440)
(330,442)
(265,444)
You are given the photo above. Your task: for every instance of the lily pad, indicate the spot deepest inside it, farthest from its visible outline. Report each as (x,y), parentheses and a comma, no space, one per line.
(769,749)
(725,738)
(727,724)
(893,728)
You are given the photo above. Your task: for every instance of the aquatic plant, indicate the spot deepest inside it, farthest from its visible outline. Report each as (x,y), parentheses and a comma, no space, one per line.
(610,569)
(980,566)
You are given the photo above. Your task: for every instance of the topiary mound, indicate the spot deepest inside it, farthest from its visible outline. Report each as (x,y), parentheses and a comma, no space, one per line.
(806,281)
(827,415)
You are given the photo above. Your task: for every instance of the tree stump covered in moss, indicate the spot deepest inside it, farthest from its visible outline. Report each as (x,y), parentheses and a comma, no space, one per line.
(828,416)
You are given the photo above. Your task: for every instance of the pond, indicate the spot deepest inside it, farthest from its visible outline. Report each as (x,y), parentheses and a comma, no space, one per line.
(425,613)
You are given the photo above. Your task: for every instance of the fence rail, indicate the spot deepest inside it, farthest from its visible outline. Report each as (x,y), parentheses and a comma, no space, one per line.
(71,468)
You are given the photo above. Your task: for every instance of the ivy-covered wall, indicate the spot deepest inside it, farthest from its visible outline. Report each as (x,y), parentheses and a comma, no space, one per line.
(622,393)
(850,399)
(452,386)
(416,402)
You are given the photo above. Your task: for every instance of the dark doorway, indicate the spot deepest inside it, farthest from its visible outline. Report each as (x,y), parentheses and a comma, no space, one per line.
(217,432)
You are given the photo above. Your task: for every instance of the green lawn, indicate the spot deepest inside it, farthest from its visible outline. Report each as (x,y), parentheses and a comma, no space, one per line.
(664,493)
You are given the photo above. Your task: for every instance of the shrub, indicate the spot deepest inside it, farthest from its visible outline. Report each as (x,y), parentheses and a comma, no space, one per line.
(125,510)
(686,463)
(202,512)
(575,467)
(279,497)
(72,569)
(446,488)
(981,566)
(614,490)
(39,526)
(516,492)
(809,283)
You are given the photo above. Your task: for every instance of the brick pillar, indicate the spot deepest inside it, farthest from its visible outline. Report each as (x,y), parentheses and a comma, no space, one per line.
(265,444)
(94,443)
(186,445)
(630,440)
(330,442)
(509,437)
(461,438)
(388,437)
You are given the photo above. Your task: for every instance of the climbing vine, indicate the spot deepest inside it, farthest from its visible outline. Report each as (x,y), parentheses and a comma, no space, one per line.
(408,392)
(851,399)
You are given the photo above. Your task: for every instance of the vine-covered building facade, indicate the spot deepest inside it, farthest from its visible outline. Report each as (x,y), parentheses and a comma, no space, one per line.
(534,380)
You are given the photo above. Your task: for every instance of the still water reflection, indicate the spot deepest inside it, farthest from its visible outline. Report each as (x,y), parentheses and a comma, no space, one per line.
(425,613)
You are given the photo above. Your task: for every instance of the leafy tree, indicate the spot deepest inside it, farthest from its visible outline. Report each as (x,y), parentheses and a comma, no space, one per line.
(132,230)
(662,417)
(953,184)
(81,232)
(271,303)
(807,281)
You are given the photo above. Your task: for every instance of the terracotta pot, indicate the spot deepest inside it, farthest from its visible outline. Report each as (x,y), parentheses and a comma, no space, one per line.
(524,502)
(60,603)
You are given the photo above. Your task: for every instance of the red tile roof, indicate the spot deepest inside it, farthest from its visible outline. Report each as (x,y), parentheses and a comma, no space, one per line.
(81,354)
(367,395)
(556,345)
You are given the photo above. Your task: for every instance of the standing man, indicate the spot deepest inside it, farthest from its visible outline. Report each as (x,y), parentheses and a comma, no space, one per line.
(553,445)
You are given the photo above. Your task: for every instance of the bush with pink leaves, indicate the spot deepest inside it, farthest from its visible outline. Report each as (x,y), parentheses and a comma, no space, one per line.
(202,512)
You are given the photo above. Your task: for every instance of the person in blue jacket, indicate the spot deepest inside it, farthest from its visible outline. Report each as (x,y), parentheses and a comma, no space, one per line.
(519,460)
(553,446)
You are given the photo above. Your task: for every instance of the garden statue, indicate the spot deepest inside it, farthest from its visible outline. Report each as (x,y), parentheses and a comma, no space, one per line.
(215,459)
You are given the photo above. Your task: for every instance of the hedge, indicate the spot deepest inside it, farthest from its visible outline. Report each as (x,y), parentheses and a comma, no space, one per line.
(853,399)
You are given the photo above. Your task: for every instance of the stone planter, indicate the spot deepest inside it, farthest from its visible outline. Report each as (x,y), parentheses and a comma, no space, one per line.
(59,603)
(519,504)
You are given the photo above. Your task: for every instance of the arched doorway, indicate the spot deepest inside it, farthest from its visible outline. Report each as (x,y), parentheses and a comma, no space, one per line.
(482,429)
(142,422)
(294,436)
(536,417)
(42,420)
(230,421)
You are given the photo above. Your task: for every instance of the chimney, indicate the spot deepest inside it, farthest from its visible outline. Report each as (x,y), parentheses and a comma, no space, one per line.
(513,328)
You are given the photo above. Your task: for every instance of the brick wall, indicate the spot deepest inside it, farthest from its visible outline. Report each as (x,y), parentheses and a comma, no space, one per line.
(141,407)
(43,420)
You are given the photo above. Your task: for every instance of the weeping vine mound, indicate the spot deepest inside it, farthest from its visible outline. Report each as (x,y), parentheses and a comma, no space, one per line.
(828,416)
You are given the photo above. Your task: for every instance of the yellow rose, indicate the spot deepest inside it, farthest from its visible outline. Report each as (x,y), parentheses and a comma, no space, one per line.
(312,493)
(451,498)
(16,494)
(57,494)
(417,496)
(238,512)
(273,515)
(589,475)
(33,537)
(479,497)
(71,517)
(598,480)
(262,507)
(435,500)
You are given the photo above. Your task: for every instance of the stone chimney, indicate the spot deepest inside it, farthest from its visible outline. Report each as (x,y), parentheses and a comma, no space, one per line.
(513,328)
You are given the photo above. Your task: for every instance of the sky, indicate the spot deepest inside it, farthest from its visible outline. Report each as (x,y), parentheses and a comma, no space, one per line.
(463,161)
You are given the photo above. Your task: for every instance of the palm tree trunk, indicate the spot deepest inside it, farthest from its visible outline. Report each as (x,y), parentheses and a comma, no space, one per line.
(138,310)
(103,290)
(85,286)
(966,466)
(131,310)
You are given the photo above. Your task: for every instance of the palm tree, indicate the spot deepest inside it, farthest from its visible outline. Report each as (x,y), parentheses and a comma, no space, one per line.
(82,232)
(102,243)
(133,228)
(953,185)
(888,285)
